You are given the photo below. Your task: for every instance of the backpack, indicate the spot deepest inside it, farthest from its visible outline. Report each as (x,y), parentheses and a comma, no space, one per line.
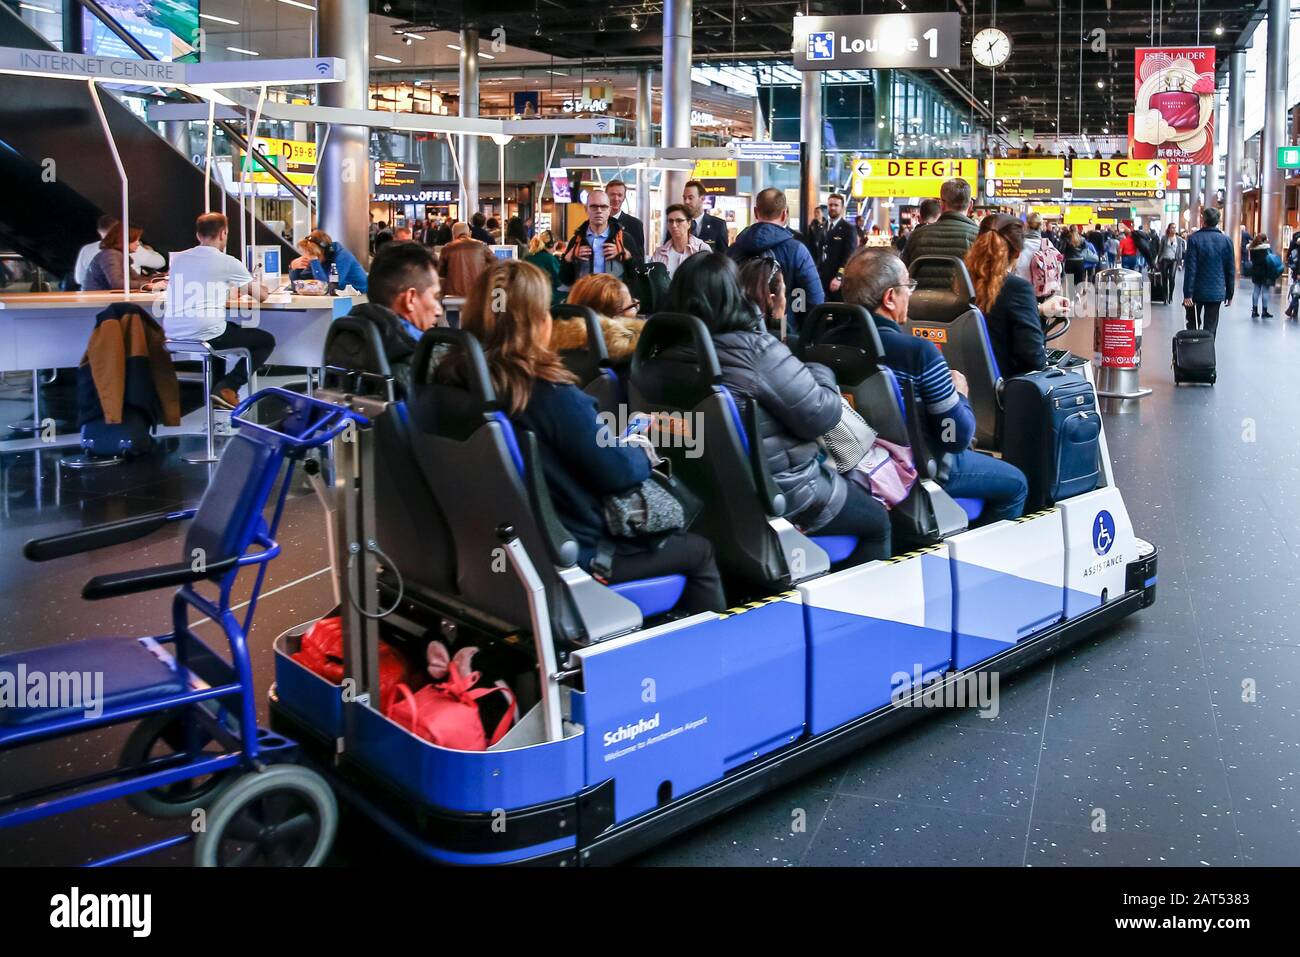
(1045,270)
(1274,266)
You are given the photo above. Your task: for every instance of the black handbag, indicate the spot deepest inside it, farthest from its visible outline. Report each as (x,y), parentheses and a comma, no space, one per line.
(648,284)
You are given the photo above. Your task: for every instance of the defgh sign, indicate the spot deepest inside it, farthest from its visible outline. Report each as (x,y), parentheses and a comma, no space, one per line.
(915,40)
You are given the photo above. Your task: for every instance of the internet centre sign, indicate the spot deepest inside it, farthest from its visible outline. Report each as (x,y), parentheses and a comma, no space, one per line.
(910,40)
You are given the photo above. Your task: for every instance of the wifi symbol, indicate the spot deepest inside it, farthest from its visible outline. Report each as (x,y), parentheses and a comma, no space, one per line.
(323,68)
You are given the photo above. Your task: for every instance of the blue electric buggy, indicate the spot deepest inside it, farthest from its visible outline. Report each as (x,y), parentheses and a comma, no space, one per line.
(196,751)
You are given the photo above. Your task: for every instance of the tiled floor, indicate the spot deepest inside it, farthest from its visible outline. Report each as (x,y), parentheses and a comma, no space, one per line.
(1173,740)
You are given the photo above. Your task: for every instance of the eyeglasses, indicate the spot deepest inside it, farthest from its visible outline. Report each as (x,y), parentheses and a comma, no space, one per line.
(678,222)
(597,206)
(910,285)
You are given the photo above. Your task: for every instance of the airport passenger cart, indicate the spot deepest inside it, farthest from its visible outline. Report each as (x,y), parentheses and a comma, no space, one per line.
(196,752)
(636,724)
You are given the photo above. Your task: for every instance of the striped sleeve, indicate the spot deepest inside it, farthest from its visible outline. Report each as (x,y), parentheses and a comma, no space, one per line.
(935,386)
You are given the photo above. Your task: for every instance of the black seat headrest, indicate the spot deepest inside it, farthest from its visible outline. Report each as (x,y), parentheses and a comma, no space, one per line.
(698,379)
(354,350)
(942,304)
(842,323)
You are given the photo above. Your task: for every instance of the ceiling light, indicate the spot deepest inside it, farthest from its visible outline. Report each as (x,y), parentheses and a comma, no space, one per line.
(1101,84)
(34,7)
(1002,119)
(487,56)
(452,46)
(216,19)
(635,25)
(416,36)
(243,51)
(301,6)
(1105,131)
(556,73)
(1218,31)
(387,59)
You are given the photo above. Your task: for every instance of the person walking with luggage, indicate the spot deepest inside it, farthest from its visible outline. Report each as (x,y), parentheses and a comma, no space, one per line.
(1209,273)
(1170,257)
(1265,267)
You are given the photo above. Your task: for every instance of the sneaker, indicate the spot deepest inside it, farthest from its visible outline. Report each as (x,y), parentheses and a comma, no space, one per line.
(1267,314)
(1254,313)
(225,398)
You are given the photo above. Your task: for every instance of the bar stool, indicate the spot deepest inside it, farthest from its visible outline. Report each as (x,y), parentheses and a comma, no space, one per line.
(205,353)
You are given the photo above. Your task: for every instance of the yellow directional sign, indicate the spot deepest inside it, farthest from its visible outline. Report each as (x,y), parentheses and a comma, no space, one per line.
(1079,215)
(909,177)
(1047,212)
(1116,179)
(1024,178)
(295,158)
(715,169)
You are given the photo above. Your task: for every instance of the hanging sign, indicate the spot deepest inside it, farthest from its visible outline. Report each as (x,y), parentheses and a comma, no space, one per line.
(1024,178)
(909,40)
(909,177)
(1173,109)
(1113,180)
(296,159)
(1079,215)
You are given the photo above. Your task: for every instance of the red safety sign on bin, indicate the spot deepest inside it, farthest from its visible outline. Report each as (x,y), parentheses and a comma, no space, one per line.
(1118,343)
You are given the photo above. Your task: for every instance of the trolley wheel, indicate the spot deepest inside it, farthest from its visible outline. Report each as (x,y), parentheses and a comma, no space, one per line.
(161,734)
(285,816)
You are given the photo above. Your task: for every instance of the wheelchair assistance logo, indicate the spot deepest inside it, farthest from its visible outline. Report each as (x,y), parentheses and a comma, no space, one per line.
(821,46)
(1103,532)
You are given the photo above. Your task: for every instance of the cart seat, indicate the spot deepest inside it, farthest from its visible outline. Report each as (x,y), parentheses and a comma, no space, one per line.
(837,547)
(130,673)
(654,596)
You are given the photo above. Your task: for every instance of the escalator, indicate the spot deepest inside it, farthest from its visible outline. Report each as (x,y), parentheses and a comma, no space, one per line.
(58,172)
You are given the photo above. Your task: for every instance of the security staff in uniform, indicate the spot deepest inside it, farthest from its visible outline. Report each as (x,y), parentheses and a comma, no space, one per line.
(839,241)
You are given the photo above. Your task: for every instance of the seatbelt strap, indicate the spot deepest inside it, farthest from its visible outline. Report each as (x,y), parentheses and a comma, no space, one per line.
(603,564)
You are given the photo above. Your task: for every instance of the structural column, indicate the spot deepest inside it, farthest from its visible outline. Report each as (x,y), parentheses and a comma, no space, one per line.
(1236,134)
(1272,193)
(760,133)
(468,152)
(645,137)
(178,135)
(810,135)
(343,182)
(1194,197)
(675,122)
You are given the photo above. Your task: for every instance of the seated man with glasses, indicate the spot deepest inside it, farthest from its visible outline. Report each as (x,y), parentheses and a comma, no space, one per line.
(877,279)
(600,245)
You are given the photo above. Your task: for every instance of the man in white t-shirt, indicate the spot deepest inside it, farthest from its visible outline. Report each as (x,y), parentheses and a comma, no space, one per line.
(142,258)
(200,283)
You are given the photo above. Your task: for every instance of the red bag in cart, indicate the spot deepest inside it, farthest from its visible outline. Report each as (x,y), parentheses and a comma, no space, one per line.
(321,652)
(452,712)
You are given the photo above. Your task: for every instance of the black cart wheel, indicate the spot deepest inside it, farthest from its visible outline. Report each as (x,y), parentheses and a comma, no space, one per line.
(160,735)
(285,816)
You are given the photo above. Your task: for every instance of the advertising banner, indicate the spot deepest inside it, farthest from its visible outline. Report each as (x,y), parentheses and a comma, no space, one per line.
(169,29)
(1117,180)
(1173,110)
(910,40)
(886,178)
(1024,178)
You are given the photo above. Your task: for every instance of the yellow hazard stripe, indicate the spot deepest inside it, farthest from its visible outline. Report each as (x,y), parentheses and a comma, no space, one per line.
(750,606)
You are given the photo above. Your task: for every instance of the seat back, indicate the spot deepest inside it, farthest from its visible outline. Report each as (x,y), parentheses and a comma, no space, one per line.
(230,513)
(723,462)
(844,338)
(410,524)
(591,365)
(949,318)
(492,483)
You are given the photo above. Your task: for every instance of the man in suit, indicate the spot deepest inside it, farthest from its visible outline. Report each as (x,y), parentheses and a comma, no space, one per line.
(632,227)
(838,243)
(711,229)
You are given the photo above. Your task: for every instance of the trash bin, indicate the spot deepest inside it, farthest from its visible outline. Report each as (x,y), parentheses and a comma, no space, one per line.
(1121,307)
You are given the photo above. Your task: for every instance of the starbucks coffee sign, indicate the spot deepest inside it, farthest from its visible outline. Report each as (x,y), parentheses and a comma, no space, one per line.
(909,40)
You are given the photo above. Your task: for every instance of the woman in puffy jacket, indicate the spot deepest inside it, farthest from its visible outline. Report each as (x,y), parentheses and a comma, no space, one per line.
(801,402)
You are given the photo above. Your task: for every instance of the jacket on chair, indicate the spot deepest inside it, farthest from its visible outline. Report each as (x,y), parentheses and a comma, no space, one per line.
(127,363)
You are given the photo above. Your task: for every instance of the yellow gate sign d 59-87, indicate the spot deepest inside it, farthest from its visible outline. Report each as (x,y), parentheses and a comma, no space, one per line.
(909,177)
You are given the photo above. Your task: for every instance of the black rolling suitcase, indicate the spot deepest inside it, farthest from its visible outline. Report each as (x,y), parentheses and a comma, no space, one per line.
(1158,291)
(1051,431)
(1194,354)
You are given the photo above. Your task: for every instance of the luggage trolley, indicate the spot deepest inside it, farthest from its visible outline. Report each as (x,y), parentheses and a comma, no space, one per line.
(196,751)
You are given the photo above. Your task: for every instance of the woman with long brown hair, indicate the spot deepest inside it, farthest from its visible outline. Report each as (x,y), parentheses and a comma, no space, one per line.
(507,311)
(1007,301)
(105,272)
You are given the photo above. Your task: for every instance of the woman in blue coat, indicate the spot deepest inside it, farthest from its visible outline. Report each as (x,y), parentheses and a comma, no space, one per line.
(319,252)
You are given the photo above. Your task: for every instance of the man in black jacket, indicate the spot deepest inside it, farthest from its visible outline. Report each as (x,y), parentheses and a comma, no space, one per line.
(838,243)
(711,229)
(478,229)
(616,190)
(404,301)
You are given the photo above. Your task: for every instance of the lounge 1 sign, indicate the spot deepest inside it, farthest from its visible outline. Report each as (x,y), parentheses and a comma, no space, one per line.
(915,40)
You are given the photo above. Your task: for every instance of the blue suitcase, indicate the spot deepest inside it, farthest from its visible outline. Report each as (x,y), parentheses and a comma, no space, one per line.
(1051,431)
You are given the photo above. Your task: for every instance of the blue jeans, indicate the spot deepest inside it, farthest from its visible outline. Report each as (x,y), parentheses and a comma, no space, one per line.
(1260,294)
(1000,485)
(1130,262)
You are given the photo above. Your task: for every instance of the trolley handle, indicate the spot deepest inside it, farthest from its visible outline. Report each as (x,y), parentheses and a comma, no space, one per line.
(332,421)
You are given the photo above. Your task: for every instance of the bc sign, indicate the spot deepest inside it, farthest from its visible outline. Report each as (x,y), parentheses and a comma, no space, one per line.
(917,40)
